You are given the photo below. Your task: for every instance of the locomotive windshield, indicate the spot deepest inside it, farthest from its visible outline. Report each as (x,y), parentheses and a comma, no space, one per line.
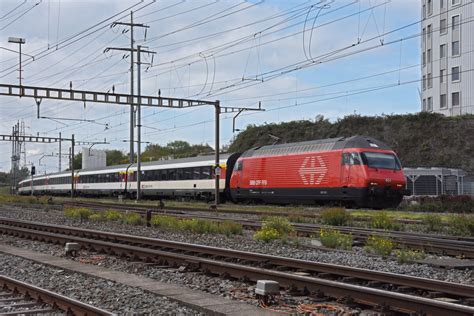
(381,160)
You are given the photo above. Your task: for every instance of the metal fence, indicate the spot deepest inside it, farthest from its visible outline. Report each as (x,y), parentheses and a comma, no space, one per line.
(437,181)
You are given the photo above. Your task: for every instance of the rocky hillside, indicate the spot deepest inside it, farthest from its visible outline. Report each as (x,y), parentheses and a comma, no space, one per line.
(421,140)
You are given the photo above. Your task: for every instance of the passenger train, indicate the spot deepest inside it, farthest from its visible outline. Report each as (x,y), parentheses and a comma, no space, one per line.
(357,171)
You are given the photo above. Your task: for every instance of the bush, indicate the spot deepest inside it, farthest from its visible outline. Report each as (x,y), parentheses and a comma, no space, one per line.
(8,198)
(335,216)
(274,227)
(461,225)
(78,212)
(132,219)
(199,226)
(165,221)
(281,224)
(379,246)
(97,217)
(113,215)
(335,239)
(409,256)
(230,228)
(266,235)
(381,220)
(433,222)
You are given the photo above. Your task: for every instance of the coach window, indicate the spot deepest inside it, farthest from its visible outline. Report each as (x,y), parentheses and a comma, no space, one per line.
(197,173)
(179,174)
(172,174)
(163,175)
(206,173)
(188,173)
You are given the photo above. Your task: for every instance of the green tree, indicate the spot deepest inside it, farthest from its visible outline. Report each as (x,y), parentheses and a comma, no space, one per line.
(77,162)
(116,157)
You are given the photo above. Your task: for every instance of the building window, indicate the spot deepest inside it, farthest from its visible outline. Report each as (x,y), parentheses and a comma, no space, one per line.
(442,51)
(430,7)
(430,81)
(455,2)
(442,73)
(455,74)
(428,30)
(424,104)
(424,58)
(443,28)
(442,101)
(455,22)
(424,82)
(455,98)
(455,50)
(424,11)
(424,35)
(441,4)
(429,55)
(430,104)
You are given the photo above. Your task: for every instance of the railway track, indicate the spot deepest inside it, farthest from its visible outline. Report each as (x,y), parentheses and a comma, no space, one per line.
(399,293)
(189,209)
(444,245)
(20,298)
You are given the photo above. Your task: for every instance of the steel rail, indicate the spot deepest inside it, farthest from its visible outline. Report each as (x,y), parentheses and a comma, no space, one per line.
(116,243)
(68,305)
(447,245)
(144,207)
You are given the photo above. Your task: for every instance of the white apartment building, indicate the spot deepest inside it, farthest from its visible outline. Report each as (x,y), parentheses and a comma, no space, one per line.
(447,49)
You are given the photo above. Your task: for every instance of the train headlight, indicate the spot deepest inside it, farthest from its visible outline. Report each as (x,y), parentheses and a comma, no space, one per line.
(374,183)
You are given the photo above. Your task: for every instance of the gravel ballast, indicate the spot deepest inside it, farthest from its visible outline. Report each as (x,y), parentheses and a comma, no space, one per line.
(94,291)
(358,258)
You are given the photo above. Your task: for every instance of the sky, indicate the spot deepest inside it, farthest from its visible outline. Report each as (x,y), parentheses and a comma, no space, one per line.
(299,59)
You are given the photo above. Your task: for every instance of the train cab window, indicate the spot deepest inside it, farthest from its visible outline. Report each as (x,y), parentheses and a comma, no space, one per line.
(346,159)
(355,159)
(351,159)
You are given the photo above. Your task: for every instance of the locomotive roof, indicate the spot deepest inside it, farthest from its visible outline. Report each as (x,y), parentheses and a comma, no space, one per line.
(317,146)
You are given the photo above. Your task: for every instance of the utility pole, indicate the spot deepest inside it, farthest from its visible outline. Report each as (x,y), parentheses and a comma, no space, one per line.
(15,138)
(217,168)
(59,163)
(131,50)
(72,166)
(139,123)
(139,118)
(20,41)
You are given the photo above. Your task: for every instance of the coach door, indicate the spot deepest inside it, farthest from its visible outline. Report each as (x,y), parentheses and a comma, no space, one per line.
(345,170)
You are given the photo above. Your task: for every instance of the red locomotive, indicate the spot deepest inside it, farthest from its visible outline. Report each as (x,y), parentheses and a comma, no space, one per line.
(357,171)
